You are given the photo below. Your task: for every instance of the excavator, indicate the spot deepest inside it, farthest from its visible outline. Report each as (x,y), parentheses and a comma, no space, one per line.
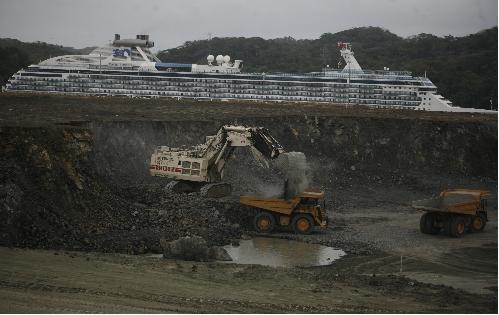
(200,168)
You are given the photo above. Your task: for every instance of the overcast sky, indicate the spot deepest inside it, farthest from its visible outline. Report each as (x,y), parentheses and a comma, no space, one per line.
(84,23)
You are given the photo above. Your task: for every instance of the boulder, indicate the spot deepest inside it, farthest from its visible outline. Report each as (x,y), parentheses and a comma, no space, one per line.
(193,248)
(218,253)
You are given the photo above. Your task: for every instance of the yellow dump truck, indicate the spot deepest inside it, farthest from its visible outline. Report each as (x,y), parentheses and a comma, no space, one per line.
(454,212)
(301,212)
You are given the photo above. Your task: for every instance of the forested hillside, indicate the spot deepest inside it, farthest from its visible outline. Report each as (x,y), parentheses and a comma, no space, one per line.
(463,68)
(15,54)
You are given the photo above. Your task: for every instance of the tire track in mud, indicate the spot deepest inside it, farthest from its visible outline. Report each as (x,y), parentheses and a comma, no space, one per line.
(172,301)
(473,259)
(454,262)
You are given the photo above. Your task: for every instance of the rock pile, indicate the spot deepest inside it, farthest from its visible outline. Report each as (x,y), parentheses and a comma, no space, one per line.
(51,197)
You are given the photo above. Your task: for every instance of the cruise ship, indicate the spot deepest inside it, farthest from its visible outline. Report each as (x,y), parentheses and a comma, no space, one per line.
(127,67)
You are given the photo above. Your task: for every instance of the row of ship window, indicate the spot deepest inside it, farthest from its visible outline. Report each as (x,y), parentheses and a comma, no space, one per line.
(302,97)
(296,92)
(140,85)
(238,80)
(242,79)
(337,94)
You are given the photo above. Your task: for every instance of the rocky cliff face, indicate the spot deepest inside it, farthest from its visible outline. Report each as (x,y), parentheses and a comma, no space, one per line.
(89,187)
(338,149)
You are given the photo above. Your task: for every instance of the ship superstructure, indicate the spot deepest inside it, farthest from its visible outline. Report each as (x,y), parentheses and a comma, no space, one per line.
(126,67)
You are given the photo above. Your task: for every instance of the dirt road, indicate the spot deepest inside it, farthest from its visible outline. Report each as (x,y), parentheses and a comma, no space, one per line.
(48,281)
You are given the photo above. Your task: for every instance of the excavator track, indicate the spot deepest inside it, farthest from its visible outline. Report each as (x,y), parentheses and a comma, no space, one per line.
(216,190)
(213,190)
(182,186)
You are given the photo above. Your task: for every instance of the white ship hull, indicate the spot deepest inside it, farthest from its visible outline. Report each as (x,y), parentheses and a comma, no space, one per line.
(133,71)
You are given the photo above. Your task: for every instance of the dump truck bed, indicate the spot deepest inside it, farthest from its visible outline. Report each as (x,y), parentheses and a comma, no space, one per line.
(275,205)
(455,201)
(279,205)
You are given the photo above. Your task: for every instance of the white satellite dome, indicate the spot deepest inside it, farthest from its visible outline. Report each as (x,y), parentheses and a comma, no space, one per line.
(220,59)
(226,58)
(210,58)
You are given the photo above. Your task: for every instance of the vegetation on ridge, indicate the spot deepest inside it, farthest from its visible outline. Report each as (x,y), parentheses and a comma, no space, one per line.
(463,68)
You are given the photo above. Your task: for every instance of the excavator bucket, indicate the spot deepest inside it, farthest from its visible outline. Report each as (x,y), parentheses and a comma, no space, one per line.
(265,143)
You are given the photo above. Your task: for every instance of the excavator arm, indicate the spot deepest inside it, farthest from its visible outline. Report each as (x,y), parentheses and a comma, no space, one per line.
(263,141)
(258,139)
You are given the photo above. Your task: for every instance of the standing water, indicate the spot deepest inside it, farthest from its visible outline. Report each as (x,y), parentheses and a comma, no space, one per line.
(282,253)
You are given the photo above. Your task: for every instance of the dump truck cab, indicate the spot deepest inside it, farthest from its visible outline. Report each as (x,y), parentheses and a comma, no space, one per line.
(301,213)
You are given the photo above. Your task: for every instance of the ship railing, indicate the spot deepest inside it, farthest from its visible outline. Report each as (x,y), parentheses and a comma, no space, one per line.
(106,67)
(424,81)
(354,74)
(346,75)
(375,72)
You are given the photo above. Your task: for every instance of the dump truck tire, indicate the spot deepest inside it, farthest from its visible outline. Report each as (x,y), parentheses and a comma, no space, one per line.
(264,222)
(477,223)
(427,224)
(422,223)
(457,226)
(447,223)
(302,224)
(181,186)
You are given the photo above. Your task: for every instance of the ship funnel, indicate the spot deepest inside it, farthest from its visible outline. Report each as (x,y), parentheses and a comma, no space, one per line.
(140,41)
(143,37)
(348,56)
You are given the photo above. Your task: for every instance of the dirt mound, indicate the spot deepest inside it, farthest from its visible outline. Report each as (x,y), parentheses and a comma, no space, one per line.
(52,197)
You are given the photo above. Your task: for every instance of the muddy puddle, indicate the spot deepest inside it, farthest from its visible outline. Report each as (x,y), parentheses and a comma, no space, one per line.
(282,253)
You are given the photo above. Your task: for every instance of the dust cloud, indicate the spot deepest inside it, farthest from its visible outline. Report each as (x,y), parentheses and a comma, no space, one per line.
(296,171)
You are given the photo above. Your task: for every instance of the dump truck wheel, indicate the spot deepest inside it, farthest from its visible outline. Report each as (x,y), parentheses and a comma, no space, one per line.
(422,223)
(447,225)
(264,222)
(427,224)
(457,226)
(302,224)
(431,224)
(477,224)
